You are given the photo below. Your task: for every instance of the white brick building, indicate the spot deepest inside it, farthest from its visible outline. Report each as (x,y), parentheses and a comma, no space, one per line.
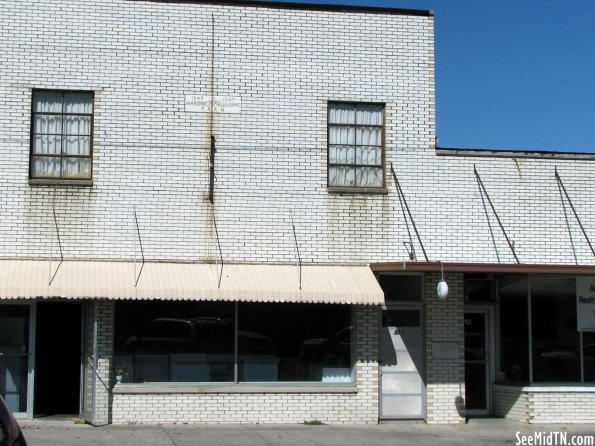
(217,310)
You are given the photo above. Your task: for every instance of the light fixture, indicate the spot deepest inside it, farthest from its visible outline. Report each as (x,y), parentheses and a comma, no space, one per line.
(442,288)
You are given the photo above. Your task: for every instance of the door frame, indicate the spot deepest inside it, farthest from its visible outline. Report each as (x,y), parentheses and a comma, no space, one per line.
(488,310)
(405,306)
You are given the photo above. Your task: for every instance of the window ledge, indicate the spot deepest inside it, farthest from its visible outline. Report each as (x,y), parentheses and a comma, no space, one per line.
(553,388)
(48,182)
(356,190)
(231,388)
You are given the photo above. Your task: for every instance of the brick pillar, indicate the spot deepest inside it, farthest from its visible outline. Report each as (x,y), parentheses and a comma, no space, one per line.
(445,351)
(105,344)
(366,363)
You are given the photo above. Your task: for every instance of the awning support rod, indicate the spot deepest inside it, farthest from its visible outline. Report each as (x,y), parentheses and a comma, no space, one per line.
(52,276)
(484,191)
(212,170)
(140,242)
(573,209)
(298,258)
(404,201)
(218,247)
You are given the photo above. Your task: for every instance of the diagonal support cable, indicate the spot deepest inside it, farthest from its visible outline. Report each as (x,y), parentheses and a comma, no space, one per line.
(406,206)
(561,185)
(52,276)
(298,258)
(140,242)
(484,192)
(218,247)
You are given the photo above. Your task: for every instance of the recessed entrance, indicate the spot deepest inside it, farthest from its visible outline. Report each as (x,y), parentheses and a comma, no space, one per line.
(58,359)
(477,362)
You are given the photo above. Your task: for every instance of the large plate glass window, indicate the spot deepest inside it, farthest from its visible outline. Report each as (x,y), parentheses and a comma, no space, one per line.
(61,135)
(355,145)
(227,342)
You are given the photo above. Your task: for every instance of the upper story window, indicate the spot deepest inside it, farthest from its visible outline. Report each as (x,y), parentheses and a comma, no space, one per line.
(61,135)
(355,145)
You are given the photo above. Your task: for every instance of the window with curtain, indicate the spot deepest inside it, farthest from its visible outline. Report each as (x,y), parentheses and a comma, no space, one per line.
(61,130)
(355,145)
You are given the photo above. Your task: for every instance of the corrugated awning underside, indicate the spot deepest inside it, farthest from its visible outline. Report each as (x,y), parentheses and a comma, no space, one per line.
(27,279)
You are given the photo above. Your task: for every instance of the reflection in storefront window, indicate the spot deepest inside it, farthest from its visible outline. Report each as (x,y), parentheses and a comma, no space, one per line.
(556,354)
(196,342)
(291,342)
(589,356)
(514,331)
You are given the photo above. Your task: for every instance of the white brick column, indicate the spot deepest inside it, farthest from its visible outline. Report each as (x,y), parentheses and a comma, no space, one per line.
(445,349)
(105,343)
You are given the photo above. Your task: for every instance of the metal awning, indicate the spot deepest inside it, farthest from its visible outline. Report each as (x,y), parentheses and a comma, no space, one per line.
(28,279)
(515,268)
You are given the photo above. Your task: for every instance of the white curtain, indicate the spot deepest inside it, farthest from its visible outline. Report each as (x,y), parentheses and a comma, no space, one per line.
(66,133)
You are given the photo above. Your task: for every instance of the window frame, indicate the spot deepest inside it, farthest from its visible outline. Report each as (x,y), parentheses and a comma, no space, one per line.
(238,385)
(529,303)
(33,180)
(356,189)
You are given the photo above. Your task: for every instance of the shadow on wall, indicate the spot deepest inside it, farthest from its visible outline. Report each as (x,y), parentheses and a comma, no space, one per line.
(460,406)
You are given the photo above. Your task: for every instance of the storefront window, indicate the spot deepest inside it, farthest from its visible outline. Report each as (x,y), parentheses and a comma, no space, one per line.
(539,313)
(514,331)
(556,342)
(589,356)
(294,342)
(196,342)
(174,342)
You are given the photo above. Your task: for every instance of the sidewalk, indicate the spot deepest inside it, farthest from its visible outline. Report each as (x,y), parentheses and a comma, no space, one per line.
(475,433)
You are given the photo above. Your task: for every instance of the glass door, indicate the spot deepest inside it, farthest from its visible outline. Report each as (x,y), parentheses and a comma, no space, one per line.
(14,356)
(477,362)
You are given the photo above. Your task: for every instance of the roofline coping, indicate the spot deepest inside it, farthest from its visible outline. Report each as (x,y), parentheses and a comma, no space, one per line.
(537,154)
(305,6)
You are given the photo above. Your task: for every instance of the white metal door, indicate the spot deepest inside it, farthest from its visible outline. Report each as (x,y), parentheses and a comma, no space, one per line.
(402,359)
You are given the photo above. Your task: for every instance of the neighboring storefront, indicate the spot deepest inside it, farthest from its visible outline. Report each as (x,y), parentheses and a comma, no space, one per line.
(526,333)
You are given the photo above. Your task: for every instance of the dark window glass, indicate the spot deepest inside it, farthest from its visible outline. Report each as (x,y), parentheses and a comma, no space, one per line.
(195,342)
(480,290)
(589,356)
(355,145)
(61,135)
(556,355)
(401,288)
(294,342)
(181,341)
(401,318)
(514,332)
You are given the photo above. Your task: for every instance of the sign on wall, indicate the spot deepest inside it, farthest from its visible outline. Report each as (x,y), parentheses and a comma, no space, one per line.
(217,104)
(585,303)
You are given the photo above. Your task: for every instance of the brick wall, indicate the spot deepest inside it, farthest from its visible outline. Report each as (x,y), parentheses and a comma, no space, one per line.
(510,402)
(541,405)
(140,59)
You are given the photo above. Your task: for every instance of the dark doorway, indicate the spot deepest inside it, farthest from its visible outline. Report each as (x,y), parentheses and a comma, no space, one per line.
(57,358)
